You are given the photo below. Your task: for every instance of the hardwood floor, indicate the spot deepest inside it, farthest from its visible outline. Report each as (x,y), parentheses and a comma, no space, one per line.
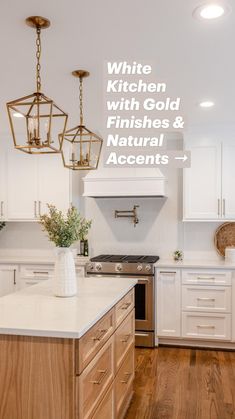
(175,383)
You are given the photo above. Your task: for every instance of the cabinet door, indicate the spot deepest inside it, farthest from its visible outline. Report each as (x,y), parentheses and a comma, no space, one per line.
(3,208)
(228,176)
(7,279)
(54,183)
(202,182)
(21,185)
(168,303)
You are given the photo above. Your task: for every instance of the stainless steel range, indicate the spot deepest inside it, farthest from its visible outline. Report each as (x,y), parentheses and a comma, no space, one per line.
(141,267)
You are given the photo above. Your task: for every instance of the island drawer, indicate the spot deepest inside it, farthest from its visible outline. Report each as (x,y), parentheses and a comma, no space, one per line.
(124,307)
(90,344)
(123,383)
(95,380)
(206,277)
(206,298)
(124,338)
(206,326)
(105,410)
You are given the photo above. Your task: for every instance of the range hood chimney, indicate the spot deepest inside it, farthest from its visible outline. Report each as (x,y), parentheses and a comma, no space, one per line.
(125,182)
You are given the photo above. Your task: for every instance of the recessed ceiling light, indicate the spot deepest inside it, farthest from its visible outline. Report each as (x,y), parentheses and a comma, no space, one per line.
(211,11)
(18,115)
(206,104)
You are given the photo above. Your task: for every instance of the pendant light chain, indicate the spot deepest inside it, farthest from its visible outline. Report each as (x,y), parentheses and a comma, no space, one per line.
(38,56)
(80,100)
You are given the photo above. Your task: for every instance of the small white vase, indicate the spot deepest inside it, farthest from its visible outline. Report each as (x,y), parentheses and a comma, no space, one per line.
(65,282)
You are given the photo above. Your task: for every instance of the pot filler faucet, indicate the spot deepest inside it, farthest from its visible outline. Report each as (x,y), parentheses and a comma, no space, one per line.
(128,214)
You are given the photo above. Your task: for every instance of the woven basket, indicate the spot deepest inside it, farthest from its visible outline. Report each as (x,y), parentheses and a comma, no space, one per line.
(224,237)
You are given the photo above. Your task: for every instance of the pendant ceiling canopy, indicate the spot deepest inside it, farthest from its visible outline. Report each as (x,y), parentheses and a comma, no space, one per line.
(85,145)
(35,119)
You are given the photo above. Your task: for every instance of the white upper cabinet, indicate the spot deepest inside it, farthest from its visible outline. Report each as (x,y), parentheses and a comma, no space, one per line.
(29,182)
(208,183)
(21,186)
(228,179)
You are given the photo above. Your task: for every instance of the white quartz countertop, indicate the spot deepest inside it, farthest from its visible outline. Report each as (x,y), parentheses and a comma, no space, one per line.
(35,311)
(204,264)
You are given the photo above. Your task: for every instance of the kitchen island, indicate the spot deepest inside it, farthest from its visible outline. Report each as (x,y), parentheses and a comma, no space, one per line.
(67,358)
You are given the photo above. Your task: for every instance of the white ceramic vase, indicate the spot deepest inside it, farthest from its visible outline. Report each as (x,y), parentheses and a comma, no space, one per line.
(65,282)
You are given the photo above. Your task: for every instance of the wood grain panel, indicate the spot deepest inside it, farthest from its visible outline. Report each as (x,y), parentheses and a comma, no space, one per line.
(37,379)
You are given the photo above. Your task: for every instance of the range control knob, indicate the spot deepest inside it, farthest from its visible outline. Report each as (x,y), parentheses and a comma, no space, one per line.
(139,267)
(98,266)
(118,267)
(148,268)
(90,267)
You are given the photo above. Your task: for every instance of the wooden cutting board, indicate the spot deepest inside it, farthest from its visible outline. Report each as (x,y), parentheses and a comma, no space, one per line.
(224,237)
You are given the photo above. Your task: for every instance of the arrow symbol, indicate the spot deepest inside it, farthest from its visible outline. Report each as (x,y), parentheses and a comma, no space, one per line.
(184,158)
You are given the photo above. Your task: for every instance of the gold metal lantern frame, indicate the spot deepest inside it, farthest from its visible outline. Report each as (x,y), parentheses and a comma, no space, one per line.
(85,145)
(36,120)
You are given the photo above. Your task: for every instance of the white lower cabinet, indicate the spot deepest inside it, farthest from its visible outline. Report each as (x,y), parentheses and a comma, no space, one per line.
(206,326)
(8,279)
(168,303)
(34,274)
(201,307)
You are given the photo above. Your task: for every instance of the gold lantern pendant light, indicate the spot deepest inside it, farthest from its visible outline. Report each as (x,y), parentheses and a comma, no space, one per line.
(36,120)
(84,153)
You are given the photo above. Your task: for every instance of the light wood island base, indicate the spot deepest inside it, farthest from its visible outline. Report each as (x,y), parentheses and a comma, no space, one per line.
(60,378)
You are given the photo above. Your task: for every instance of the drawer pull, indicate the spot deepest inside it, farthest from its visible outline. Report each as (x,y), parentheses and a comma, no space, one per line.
(102,375)
(126,338)
(40,273)
(125,306)
(101,334)
(168,272)
(206,278)
(128,376)
(205,326)
(205,299)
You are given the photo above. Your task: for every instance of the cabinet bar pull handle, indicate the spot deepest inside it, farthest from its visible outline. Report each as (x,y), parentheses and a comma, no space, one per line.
(2,202)
(205,326)
(126,338)
(125,306)
(102,332)
(218,206)
(14,276)
(102,375)
(128,375)
(206,278)
(224,207)
(168,273)
(35,209)
(39,273)
(205,299)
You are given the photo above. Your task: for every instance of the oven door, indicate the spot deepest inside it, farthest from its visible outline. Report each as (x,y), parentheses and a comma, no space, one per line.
(144,304)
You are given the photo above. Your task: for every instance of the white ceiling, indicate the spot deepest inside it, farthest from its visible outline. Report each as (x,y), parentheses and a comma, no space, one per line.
(196,58)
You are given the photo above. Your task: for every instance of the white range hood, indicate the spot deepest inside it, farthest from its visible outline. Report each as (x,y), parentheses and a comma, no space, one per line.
(124,183)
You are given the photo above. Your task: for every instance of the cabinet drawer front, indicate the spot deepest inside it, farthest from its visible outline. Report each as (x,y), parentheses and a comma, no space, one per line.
(106,408)
(124,381)
(89,344)
(124,307)
(206,276)
(124,338)
(95,380)
(210,299)
(202,326)
(36,271)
